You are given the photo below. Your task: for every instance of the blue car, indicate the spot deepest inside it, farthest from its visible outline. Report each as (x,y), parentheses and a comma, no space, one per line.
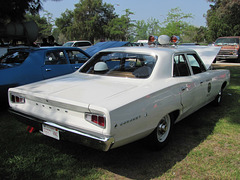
(26,65)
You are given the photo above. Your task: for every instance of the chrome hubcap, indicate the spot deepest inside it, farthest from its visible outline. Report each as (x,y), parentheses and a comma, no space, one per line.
(219,96)
(163,128)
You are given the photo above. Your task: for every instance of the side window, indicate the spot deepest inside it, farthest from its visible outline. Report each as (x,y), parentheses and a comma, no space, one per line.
(76,57)
(196,64)
(55,58)
(180,66)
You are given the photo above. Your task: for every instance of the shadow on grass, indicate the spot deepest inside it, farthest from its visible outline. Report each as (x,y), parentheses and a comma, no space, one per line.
(39,156)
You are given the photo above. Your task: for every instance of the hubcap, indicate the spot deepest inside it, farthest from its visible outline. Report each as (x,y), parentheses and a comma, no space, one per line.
(219,96)
(163,128)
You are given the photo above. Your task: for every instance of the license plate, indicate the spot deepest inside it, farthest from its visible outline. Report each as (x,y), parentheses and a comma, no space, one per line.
(50,131)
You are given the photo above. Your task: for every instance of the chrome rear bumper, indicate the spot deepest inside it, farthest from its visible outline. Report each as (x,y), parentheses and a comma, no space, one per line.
(96,142)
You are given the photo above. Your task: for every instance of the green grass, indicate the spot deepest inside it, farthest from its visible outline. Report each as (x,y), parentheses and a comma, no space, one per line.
(205,145)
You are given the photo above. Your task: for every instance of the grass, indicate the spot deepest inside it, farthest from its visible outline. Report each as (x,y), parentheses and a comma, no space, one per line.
(205,145)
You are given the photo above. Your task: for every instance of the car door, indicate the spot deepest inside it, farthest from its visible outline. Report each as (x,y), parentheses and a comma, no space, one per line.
(76,58)
(55,64)
(190,85)
(185,84)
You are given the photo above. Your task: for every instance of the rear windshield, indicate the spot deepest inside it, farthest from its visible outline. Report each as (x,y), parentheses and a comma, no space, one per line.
(12,59)
(120,64)
(227,41)
(78,44)
(68,44)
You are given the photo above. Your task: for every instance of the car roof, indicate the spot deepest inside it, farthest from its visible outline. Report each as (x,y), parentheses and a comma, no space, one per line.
(29,48)
(79,41)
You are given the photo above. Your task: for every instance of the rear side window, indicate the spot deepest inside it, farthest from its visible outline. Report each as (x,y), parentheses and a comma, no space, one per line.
(13,58)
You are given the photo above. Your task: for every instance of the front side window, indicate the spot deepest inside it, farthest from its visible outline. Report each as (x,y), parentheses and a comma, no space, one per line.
(121,65)
(55,58)
(196,64)
(76,57)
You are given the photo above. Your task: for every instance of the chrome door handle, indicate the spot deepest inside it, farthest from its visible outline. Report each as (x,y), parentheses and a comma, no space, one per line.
(77,67)
(183,88)
(48,69)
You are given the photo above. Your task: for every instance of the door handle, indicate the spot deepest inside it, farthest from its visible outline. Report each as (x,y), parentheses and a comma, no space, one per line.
(48,69)
(184,88)
(77,67)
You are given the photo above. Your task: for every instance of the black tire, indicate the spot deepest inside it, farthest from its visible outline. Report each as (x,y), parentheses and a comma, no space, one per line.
(162,134)
(218,100)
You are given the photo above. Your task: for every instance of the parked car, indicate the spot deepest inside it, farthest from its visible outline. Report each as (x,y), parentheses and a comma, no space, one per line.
(122,95)
(81,44)
(27,64)
(230,48)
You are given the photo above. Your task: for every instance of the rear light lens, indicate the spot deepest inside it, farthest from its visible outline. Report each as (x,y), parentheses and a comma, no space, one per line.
(17,99)
(96,119)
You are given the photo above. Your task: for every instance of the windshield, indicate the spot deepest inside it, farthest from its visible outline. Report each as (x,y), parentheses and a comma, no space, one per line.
(68,44)
(227,41)
(120,64)
(13,58)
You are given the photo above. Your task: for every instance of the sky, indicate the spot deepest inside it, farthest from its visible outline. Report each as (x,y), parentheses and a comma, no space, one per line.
(142,9)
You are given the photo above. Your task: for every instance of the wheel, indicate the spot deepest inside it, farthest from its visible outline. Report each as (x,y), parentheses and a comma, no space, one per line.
(217,101)
(161,135)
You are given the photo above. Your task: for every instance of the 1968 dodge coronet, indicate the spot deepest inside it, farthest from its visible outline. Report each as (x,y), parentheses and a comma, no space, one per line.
(121,95)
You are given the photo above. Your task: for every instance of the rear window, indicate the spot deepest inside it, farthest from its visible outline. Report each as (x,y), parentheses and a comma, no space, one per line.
(79,44)
(121,64)
(68,44)
(227,41)
(13,58)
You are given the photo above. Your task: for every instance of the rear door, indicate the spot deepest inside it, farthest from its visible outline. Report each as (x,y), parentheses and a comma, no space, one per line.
(186,84)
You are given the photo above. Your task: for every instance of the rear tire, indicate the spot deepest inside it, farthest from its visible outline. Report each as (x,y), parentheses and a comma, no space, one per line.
(162,134)
(217,101)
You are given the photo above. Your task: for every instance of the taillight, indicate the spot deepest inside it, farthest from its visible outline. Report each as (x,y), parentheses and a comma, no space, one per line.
(17,99)
(96,119)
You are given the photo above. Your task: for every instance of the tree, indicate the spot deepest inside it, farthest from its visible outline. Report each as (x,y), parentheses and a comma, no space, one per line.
(90,16)
(141,30)
(64,24)
(119,28)
(45,23)
(223,18)
(175,23)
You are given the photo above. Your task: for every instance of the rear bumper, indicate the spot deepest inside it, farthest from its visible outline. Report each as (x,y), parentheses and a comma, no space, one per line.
(96,142)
